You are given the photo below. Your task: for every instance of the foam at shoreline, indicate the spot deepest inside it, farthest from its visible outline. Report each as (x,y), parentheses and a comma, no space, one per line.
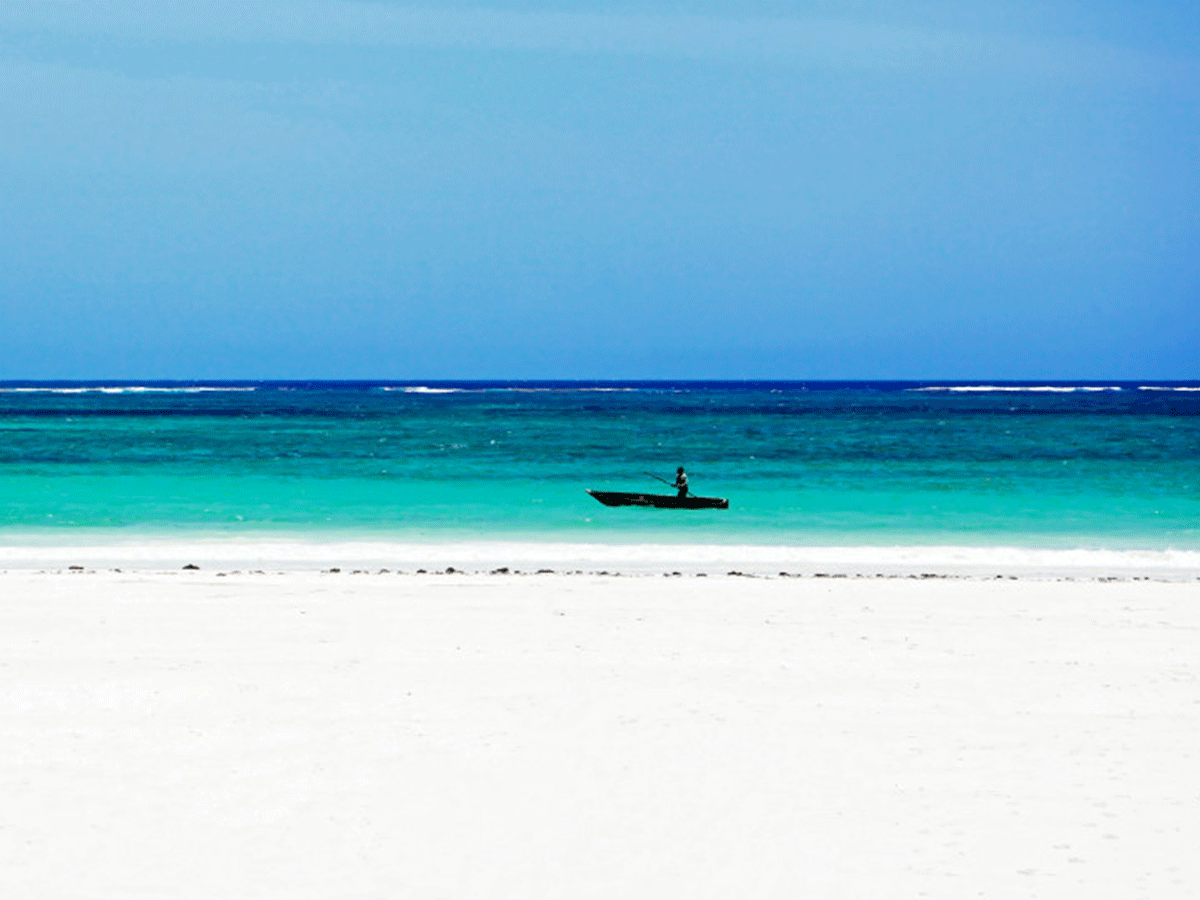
(632,559)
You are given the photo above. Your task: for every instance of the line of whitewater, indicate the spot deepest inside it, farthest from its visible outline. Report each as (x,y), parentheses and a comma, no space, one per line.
(1022,389)
(534,388)
(126,389)
(425,389)
(1042,388)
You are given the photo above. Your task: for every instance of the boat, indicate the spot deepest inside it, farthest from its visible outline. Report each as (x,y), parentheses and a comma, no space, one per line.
(659,501)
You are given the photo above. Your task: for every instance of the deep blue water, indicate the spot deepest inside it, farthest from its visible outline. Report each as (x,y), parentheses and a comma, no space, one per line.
(1104,464)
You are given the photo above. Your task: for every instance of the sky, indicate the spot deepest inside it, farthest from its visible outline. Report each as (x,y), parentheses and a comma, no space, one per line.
(754,189)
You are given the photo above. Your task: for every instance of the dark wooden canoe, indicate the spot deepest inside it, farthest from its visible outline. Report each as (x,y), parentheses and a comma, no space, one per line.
(659,501)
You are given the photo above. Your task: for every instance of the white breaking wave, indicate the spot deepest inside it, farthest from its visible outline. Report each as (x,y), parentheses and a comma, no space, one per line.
(421,389)
(1148,387)
(122,390)
(424,389)
(1008,388)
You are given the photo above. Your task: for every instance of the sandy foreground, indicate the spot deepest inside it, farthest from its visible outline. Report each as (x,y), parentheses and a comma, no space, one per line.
(336,735)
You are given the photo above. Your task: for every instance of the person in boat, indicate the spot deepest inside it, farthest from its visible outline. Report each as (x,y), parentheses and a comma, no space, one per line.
(681,481)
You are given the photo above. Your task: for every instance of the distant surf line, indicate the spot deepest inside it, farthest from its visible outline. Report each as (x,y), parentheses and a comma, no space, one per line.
(550,386)
(1044,388)
(1031,389)
(425,389)
(126,389)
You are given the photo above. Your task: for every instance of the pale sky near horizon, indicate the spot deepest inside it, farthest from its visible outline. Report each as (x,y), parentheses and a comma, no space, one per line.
(583,190)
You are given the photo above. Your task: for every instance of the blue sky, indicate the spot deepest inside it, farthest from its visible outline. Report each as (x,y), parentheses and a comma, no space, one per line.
(557,190)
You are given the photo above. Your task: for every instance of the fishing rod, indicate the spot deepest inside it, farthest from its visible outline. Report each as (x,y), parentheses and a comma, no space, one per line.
(663,480)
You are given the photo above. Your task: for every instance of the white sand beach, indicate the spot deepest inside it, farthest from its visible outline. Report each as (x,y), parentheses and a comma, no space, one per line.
(307,734)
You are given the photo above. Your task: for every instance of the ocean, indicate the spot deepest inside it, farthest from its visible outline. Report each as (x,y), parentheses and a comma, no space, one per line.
(1107,465)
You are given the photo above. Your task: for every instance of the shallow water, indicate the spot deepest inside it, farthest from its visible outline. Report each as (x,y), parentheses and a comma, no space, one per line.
(1051,464)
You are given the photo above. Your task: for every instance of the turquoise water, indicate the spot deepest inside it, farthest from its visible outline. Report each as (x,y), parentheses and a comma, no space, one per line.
(800,463)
